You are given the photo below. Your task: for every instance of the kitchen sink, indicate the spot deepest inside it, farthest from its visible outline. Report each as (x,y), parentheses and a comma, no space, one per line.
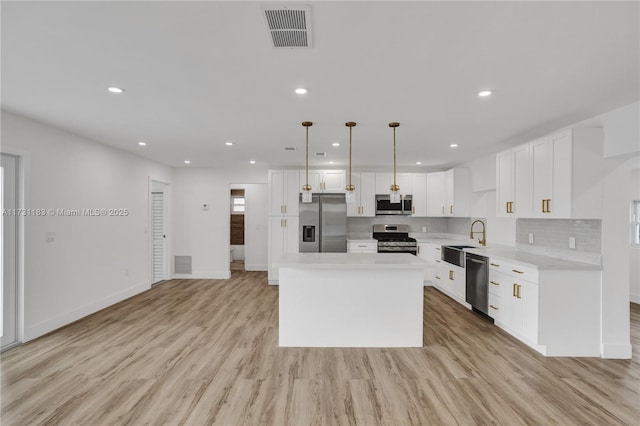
(454,255)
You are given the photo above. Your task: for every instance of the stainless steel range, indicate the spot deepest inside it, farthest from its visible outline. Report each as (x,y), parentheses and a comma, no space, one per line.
(394,239)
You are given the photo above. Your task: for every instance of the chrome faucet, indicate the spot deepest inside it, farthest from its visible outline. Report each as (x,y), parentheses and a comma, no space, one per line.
(483,241)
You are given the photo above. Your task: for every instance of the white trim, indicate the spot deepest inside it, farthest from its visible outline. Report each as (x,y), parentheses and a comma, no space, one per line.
(616,351)
(204,275)
(44,327)
(24,167)
(256,267)
(634,298)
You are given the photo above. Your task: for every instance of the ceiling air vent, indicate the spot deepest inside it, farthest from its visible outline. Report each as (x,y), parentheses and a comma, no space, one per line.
(289,26)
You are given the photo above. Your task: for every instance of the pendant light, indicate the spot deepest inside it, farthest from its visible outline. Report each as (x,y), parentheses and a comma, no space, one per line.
(306,189)
(350,194)
(395,189)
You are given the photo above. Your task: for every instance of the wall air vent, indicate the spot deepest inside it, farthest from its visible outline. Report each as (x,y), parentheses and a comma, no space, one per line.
(289,25)
(321,154)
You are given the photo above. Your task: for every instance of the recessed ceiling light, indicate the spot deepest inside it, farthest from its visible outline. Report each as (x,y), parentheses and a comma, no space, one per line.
(418,162)
(187,162)
(336,144)
(484,93)
(331,162)
(454,145)
(301,90)
(142,143)
(252,162)
(228,143)
(114,89)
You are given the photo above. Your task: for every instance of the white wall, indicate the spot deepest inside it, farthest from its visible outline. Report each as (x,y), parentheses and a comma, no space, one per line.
(256,227)
(94,261)
(204,234)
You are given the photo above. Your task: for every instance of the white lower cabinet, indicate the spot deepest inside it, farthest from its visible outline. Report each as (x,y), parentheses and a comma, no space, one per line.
(283,239)
(556,311)
(362,247)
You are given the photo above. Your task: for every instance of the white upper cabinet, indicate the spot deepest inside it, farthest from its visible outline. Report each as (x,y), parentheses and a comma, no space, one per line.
(385,180)
(513,186)
(558,176)
(436,194)
(449,193)
(365,194)
(566,174)
(419,194)
(458,184)
(284,192)
(333,181)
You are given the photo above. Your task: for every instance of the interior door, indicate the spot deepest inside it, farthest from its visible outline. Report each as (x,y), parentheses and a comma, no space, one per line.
(8,230)
(159,236)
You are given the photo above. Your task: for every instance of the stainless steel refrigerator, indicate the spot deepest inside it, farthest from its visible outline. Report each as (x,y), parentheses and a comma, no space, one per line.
(323,224)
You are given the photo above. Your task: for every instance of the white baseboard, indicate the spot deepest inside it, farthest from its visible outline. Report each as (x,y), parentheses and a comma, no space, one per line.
(616,351)
(634,298)
(204,275)
(428,284)
(43,327)
(255,267)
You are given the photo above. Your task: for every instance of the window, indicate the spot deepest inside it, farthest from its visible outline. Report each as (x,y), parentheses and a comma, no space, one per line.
(635,222)
(237,205)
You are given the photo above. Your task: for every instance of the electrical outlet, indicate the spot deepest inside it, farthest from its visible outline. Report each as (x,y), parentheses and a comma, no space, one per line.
(51,237)
(530,238)
(572,243)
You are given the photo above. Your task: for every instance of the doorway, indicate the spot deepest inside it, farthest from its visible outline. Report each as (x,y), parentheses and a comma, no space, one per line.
(251,255)
(237,230)
(158,200)
(8,252)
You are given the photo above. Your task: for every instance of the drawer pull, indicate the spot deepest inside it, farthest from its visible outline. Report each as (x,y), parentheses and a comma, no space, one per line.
(515,290)
(494,283)
(437,248)
(437,261)
(493,307)
(437,277)
(495,264)
(517,272)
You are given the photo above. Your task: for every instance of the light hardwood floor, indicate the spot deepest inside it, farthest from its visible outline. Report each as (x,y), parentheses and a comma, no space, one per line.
(205,351)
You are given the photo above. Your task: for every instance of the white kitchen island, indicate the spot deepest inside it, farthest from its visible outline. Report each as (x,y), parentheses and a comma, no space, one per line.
(351,300)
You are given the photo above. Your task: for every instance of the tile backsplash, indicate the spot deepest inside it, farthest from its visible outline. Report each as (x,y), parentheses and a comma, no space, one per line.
(555,233)
(358,225)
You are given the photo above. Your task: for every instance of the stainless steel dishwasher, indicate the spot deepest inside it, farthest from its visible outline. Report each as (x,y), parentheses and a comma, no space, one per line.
(477,282)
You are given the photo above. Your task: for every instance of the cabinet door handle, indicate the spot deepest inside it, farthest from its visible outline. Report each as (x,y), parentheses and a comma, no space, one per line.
(451,209)
(548,205)
(451,275)
(542,208)
(418,249)
(442,209)
(437,261)
(437,277)
(494,283)
(285,208)
(281,208)
(413,210)
(437,248)
(519,288)
(493,307)
(517,272)
(285,223)
(515,290)
(495,264)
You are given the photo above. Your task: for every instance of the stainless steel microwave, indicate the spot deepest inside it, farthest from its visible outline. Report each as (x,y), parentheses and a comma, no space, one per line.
(384,206)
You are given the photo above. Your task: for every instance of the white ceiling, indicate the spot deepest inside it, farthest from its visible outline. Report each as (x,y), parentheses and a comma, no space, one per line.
(198,74)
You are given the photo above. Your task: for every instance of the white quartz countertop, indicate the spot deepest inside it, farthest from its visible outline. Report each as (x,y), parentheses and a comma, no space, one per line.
(353,261)
(538,261)
(506,253)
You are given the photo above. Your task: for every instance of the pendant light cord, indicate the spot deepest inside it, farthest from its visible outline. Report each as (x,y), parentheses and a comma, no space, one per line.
(394,156)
